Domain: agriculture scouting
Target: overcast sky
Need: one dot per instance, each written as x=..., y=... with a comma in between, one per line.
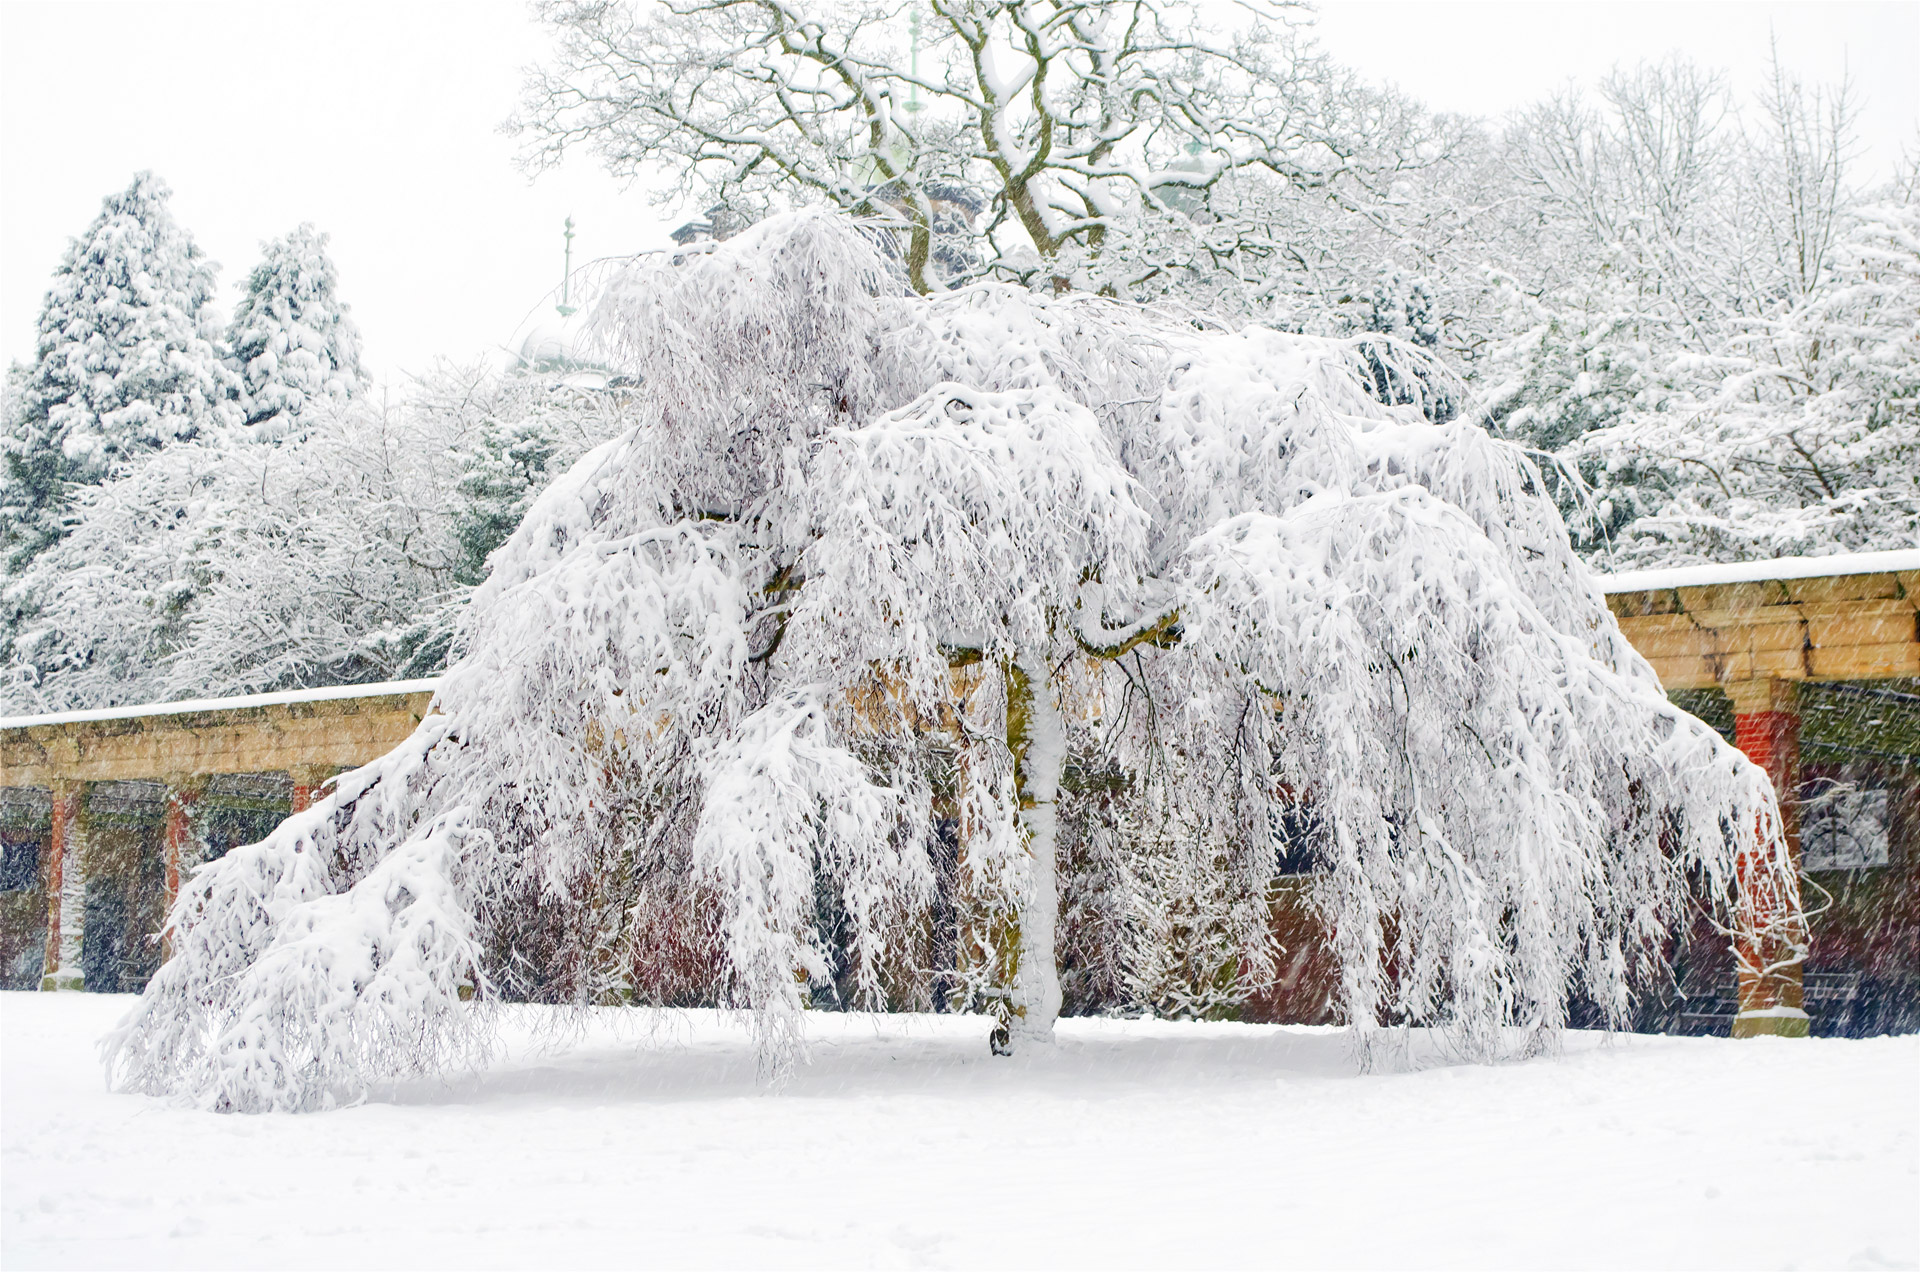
x=378, y=122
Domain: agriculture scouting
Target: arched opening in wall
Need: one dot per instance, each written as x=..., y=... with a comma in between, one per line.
x=1859, y=831
x=125, y=891
x=26, y=816
x=241, y=808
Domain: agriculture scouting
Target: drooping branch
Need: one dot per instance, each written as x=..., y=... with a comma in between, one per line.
x=1161, y=631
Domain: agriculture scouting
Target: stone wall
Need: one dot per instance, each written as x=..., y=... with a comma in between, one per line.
x=116, y=805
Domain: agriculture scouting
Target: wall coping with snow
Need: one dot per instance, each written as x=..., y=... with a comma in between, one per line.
x=309, y=732
x=1833, y=618
x=1780, y=568
x=289, y=697
x=1761, y=571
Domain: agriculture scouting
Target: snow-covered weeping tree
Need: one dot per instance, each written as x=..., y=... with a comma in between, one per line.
x=870, y=561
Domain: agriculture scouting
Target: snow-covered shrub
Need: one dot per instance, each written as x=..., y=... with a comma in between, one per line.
x=1715, y=323
x=866, y=559
x=1806, y=440
x=342, y=553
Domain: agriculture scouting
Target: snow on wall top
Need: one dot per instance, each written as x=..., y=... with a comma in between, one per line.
x=425, y=685
x=1761, y=571
x=1612, y=584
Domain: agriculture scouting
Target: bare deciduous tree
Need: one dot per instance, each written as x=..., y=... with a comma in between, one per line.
x=1043, y=130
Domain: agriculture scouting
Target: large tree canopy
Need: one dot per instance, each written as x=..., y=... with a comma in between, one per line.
x=1052, y=570
x=1031, y=135
x=1695, y=306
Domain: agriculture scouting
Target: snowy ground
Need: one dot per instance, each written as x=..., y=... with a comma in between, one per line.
x=904, y=1145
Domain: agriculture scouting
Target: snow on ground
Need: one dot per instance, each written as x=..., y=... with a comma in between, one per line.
x=645, y=1143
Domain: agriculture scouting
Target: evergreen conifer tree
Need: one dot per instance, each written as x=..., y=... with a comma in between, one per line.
x=292, y=340
x=127, y=359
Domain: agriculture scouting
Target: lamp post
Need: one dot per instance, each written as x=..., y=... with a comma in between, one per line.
x=566, y=276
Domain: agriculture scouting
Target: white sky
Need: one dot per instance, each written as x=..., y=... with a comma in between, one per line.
x=378, y=123
x=1485, y=57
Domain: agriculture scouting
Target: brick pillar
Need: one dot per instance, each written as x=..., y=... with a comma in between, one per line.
x=1770, y=948
x=66, y=888
x=180, y=843
x=307, y=781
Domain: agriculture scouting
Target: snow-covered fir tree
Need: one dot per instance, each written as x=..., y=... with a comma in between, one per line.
x=867, y=564
x=127, y=359
x=291, y=341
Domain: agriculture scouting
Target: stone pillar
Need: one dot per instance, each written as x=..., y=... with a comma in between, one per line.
x=307, y=781
x=180, y=843
x=1766, y=725
x=66, y=888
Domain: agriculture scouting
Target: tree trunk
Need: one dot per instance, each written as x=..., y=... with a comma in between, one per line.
x=1037, y=737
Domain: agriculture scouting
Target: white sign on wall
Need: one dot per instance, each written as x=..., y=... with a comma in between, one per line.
x=1845, y=830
